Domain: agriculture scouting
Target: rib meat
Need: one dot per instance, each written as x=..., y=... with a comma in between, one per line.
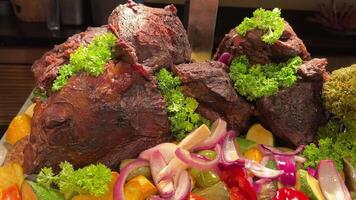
x=209, y=83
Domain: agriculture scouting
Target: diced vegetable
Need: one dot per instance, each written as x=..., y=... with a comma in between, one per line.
x=11, y=193
x=27, y=192
x=216, y=192
x=11, y=174
x=244, y=144
x=254, y=154
x=271, y=164
x=350, y=174
x=44, y=193
x=144, y=171
x=139, y=188
x=19, y=127
x=29, y=110
x=260, y=135
x=290, y=193
x=267, y=189
x=309, y=185
x=205, y=178
x=192, y=196
x=331, y=184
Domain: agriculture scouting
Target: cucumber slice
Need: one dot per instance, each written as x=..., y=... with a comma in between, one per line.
x=309, y=185
x=260, y=135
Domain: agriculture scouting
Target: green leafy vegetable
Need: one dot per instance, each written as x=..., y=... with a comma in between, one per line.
x=181, y=109
x=258, y=80
x=332, y=145
x=92, y=179
x=90, y=59
x=330, y=130
x=269, y=21
x=44, y=193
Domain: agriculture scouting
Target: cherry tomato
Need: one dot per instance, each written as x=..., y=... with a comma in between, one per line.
x=290, y=194
x=11, y=193
x=192, y=196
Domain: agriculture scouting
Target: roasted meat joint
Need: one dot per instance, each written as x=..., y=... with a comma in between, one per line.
x=127, y=97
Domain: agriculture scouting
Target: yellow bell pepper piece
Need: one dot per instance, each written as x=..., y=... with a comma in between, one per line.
x=19, y=127
x=254, y=154
x=139, y=188
x=11, y=174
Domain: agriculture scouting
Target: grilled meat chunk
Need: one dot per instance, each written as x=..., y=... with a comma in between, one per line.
x=209, y=83
x=157, y=34
x=251, y=45
x=97, y=119
x=294, y=114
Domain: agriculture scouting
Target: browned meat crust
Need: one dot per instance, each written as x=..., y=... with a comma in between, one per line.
x=288, y=46
x=157, y=34
x=210, y=85
x=294, y=114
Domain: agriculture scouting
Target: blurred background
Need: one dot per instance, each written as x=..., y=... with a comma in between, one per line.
x=28, y=28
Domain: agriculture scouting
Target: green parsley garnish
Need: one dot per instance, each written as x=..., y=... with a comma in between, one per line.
x=269, y=21
x=334, y=144
x=181, y=109
x=92, y=179
x=258, y=80
x=90, y=59
x=40, y=94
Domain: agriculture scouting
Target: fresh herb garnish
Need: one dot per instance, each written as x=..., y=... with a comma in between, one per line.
x=258, y=80
x=181, y=109
x=90, y=59
x=334, y=144
x=269, y=21
x=92, y=179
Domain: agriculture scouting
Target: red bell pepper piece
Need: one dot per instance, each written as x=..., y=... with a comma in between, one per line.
x=11, y=193
x=290, y=194
x=239, y=187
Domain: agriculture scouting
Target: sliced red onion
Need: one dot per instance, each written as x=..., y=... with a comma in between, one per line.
x=261, y=171
x=272, y=150
x=166, y=149
x=331, y=184
x=312, y=172
x=229, y=150
x=157, y=163
x=225, y=58
x=265, y=160
x=257, y=186
x=196, y=162
x=218, y=129
x=120, y=182
x=287, y=165
x=195, y=138
x=299, y=159
x=182, y=186
x=174, y=167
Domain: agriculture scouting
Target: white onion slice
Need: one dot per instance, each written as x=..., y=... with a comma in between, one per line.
x=218, y=129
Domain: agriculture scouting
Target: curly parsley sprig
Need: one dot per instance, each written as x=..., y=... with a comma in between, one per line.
x=269, y=21
x=92, y=179
x=181, y=109
x=257, y=81
x=90, y=59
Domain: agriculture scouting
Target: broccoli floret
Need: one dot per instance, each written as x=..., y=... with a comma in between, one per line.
x=339, y=95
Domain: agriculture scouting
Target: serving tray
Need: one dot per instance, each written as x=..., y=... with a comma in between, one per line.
x=4, y=147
